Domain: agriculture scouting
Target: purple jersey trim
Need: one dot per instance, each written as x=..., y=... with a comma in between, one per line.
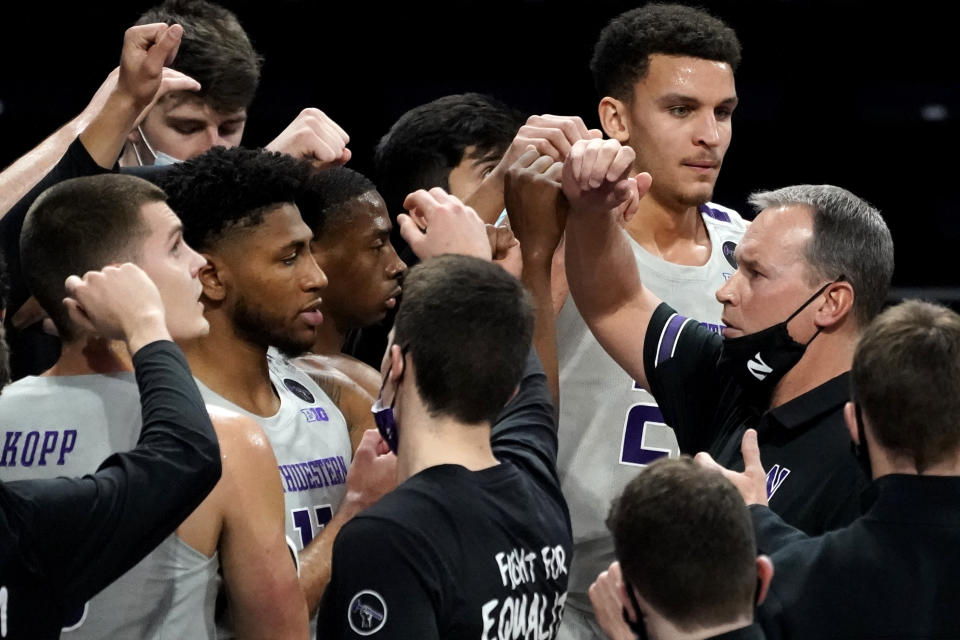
x=668, y=338
x=716, y=214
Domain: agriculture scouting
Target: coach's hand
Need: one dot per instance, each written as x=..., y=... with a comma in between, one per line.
x=752, y=482
x=314, y=136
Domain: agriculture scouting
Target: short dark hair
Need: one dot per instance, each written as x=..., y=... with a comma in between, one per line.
x=685, y=541
x=467, y=325
x=228, y=190
x=906, y=379
x=80, y=225
x=324, y=197
x=621, y=56
x=428, y=141
x=215, y=51
x=850, y=239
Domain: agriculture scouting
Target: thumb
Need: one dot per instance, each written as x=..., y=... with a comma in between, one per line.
x=78, y=315
x=750, y=449
x=644, y=180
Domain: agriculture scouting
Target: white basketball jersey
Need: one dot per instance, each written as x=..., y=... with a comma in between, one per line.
x=67, y=426
x=609, y=427
x=310, y=440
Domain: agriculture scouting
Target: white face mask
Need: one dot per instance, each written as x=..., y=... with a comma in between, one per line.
x=160, y=159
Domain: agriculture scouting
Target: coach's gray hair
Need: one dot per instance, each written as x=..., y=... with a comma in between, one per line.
x=850, y=238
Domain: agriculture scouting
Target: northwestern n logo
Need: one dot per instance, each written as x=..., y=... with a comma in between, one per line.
x=758, y=368
x=775, y=478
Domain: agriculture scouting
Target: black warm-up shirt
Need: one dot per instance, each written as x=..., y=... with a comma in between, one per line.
x=813, y=480
x=65, y=539
x=453, y=553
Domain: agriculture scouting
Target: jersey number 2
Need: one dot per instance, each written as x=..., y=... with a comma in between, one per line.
x=633, y=450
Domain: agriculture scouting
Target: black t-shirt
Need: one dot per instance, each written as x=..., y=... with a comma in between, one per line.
x=453, y=553
x=62, y=540
x=813, y=480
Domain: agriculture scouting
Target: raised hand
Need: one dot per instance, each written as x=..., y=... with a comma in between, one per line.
x=373, y=472
x=147, y=49
x=535, y=204
x=606, y=597
x=118, y=302
x=314, y=136
x=439, y=223
x=596, y=177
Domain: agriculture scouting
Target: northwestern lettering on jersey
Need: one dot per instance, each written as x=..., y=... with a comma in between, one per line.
x=313, y=474
x=32, y=448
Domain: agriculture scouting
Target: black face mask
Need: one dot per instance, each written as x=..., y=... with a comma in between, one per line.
x=639, y=628
x=860, y=451
x=759, y=360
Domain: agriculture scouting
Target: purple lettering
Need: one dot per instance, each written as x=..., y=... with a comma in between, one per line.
x=49, y=445
x=30, y=446
x=10, y=448
x=69, y=440
x=288, y=478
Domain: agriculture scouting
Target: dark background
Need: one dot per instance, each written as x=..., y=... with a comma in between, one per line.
x=859, y=94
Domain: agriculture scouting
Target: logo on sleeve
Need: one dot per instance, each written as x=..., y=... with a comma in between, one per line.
x=298, y=390
x=367, y=613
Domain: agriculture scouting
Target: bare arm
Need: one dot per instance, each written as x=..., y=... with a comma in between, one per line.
x=537, y=211
x=601, y=270
x=372, y=474
x=125, y=96
x=265, y=600
x=353, y=400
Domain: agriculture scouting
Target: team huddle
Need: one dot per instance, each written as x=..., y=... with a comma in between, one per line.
x=526, y=381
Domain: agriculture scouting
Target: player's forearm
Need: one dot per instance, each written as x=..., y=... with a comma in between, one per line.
x=106, y=134
x=601, y=270
x=316, y=557
x=24, y=174
x=536, y=278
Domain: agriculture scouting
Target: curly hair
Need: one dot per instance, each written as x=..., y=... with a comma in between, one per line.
x=227, y=190
x=621, y=56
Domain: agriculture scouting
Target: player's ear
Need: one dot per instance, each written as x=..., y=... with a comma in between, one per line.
x=213, y=277
x=614, y=118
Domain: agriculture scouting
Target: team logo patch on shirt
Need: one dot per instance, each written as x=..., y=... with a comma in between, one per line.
x=298, y=390
x=367, y=613
x=728, y=248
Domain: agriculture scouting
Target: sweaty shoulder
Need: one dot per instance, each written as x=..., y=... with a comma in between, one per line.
x=239, y=436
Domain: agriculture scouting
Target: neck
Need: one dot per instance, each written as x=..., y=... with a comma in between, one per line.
x=435, y=441
x=671, y=231
x=91, y=355
x=329, y=338
x=882, y=463
x=662, y=628
x=233, y=367
x=826, y=357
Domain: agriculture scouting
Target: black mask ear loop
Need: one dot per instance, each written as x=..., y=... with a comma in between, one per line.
x=840, y=278
x=637, y=626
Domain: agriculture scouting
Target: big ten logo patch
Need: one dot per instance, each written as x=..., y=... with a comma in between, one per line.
x=315, y=414
x=367, y=613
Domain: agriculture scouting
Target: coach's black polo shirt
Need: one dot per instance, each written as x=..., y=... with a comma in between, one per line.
x=813, y=480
